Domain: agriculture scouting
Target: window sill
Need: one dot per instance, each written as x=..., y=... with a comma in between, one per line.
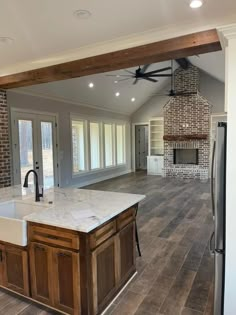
x=97, y=171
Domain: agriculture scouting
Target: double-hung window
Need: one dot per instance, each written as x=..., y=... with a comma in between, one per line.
x=120, y=144
x=78, y=145
x=95, y=145
x=109, y=145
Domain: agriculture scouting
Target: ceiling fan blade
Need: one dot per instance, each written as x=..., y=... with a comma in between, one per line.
x=144, y=68
x=149, y=79
x=135, y=81
x=156, y=75
x=158, y=70
x=119, y=75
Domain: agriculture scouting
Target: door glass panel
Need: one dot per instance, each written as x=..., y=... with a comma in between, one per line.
x=26, y=148
x=47, y=154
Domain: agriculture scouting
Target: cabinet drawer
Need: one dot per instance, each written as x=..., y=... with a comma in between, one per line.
x=53, y=236
x=102, y=234
x=126, y=217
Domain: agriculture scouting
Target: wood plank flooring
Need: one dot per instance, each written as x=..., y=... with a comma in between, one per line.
x=175, y=272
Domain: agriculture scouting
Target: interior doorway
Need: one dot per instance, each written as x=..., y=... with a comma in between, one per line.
x=141, y=147
x=34, y=146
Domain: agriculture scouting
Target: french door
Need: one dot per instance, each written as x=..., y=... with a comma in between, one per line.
x=34, y=140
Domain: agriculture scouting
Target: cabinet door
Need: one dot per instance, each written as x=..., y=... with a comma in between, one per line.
x=127, y=251
x=1, y=264
x=16, y=269
x=105, y=275
x=41, y=273
x=66, y=281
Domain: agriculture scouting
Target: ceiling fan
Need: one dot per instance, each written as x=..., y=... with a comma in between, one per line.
x=172, y=91
x=142, y=74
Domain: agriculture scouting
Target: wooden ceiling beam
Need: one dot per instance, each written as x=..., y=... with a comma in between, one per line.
x=175, y=48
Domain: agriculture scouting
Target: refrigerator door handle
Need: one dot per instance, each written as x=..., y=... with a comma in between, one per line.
x=212, y=179
x=211, y=244
x=220, y=177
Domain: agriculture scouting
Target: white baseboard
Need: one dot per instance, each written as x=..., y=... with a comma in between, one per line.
x=102, y=178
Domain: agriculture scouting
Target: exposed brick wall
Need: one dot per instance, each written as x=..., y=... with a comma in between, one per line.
x=186, y=115
x=5, y=156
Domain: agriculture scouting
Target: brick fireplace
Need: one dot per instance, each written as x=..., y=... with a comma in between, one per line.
x=187, y=129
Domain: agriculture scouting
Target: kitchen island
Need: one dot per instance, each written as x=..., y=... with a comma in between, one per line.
x=80, y=249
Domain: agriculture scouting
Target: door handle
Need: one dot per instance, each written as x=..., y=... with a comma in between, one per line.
x=212, y=178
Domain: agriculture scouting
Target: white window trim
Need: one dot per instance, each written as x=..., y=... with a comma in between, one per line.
x=87, y=119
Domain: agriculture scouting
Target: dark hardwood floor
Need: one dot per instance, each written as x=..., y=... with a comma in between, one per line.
x=175, y=272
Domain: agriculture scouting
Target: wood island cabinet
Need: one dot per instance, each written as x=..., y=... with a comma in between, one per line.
x=40, y=272
x=14, y=268
x=105, y=272
x=66, y=280
x=55, y=277
x=127, y=251
x=1, y=264
x=74, y=272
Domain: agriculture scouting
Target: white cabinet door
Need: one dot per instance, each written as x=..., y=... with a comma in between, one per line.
x=155, y=165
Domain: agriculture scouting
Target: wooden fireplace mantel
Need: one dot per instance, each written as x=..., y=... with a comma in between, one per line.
x=185, y=137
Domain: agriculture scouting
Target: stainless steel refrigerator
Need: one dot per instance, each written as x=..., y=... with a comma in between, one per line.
x=218, y=191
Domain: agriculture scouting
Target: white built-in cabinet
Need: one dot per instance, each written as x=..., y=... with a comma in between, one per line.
x=155, y=158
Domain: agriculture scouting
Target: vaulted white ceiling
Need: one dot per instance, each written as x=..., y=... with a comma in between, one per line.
x=46, y=32
x=102, y=95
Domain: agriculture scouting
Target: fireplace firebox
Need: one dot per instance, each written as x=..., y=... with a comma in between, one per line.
x=186, y=156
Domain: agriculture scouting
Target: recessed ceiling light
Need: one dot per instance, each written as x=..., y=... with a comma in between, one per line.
x=116, y=81
x=82, y=14
x=117, y=94
x=6, y=40
x=117, y=76
x=91, y=85
x=133, y=99
x=195, y=4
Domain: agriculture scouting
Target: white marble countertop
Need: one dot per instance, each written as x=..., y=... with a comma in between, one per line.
x=71, y=208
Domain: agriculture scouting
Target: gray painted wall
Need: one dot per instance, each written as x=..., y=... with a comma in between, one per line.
x=212, y=89
x=29, y=102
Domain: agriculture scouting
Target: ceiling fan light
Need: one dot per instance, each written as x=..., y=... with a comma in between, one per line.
x=195, y=4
